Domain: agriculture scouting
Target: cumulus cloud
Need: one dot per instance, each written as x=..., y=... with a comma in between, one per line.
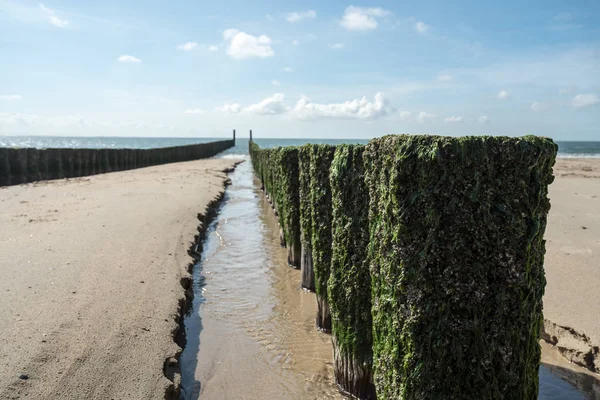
x=299, y=16
x=424, y=117
x=194, y=111
x=503, y=95
x=213, y=48
x=187, y=46
x=288, y=69
x=444, y=78
x=126, y=58
x=336, y=46
x=233, y=108
x=421, y=27
x=243, y=45
x=275, y=82
x=362, y=19
x=585, y=100
x=52, y=18
x=484, y=119
x=11, y=97
x=357, y=109
x=454, y=119
x=405, y=115
x=535, y=106
x=273, y=105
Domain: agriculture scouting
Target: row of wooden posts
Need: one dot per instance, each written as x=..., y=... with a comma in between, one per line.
x=23, y=165
x=426, y=254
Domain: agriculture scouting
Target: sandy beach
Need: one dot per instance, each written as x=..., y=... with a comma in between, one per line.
x=91, y=279
x=572, y=301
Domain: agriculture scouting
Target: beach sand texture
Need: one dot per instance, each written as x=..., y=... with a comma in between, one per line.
x=90, y=275
x=572, y=263
x=90, y=279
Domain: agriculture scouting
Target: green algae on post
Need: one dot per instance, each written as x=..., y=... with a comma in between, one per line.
x=456, y=256
x=306, y=263
x=320, y=162
x=350, y=281
x=277, y=168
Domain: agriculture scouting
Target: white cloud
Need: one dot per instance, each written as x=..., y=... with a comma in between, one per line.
x=355, y=109
x=336, y=46
x=421, y=27
x=444, y=78
x=404, y=115
x=52, y=18
x=187, y=46
x=585, y=100
x=233, y=108
x=299, y=16
x=275, y=82
x=424, y=117
x=454, y=119
x=269, y=17
x=288, y=69
x=125, y=58
x=243, y=45
x=194, y=111
x=362, y=19
x=270, y=106
x=503, y=95
x=484, y=119
x=295, y=42
x=535, y=106
x=11, y=97
x=213, y=48
x=61, y=23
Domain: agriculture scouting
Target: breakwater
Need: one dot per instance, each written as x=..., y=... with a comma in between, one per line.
x=427, y=254
x=24, y=165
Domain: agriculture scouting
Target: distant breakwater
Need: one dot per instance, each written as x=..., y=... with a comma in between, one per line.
x=426, y=254
x=24, y=165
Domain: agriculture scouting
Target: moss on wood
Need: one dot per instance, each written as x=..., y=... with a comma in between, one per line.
x=306, y=264
x=456, y=256
x=320, y=188
x=350, y=281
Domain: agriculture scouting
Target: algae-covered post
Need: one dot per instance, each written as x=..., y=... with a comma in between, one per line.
x=288, y=201
x=306, y=264
x=320, y=162
x=350, y=281
x=456, y=256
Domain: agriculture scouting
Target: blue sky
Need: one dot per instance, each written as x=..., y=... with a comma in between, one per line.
x=300, y=69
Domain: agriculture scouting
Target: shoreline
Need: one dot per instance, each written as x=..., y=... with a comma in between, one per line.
x=96, y=271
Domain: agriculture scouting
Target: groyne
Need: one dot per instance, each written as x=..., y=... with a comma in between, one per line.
x=25, y=165
x=429, y=253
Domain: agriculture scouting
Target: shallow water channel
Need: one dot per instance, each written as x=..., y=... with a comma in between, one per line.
x=251, y=332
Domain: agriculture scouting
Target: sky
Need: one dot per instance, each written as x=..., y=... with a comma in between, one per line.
x=300, y=69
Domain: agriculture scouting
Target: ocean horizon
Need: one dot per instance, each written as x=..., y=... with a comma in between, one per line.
x=566, y=149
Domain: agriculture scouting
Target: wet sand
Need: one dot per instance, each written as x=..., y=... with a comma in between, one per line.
x=90, y=279
x=256, y=326
x=572, y=264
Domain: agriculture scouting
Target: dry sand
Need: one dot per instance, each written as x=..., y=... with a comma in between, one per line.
x=90, y=272
x=572, y=299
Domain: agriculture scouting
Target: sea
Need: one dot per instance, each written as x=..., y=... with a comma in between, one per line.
x=565, y=149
